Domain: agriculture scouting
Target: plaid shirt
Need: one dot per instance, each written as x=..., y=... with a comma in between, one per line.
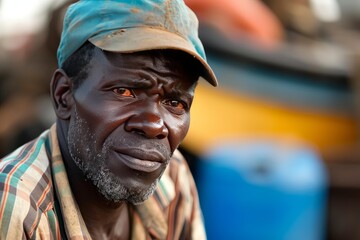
x=33, y=180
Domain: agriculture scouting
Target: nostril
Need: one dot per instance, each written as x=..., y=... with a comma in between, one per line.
x=138, y=131
x=163, y=134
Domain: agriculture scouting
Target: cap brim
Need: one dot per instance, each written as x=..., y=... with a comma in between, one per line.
x=129, y=40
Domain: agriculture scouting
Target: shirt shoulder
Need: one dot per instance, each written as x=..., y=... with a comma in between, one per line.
x=25, y=188
x=178, y=194
x=177, y=172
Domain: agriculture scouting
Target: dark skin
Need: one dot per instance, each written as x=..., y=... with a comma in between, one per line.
x=140, y=97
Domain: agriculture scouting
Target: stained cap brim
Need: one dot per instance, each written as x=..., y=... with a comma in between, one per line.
x=128, y=40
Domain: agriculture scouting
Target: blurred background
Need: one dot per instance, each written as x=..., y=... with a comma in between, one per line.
x=274, y=149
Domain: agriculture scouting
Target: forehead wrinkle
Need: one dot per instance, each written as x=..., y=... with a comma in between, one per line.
x=156, y=71
x=120, y=60
x=122, y=72
x=180, y=93
x=158, y=78
x=167, y=80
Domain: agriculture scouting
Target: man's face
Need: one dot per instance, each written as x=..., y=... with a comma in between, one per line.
x=130, y=114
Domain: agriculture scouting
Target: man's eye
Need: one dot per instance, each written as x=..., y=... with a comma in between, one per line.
x=176, y=104
x=125, y=92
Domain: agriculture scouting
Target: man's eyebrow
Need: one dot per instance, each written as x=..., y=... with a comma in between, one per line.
x=132, y=81
x=140, y=82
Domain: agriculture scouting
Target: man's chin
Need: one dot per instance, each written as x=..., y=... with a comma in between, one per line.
x=117, y=193
x=134, y=199
x=139, y=197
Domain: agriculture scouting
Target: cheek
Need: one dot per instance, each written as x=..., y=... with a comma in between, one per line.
x=102, y=119
x=177, y=131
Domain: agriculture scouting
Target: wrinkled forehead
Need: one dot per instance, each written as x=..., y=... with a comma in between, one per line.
x=161, y=61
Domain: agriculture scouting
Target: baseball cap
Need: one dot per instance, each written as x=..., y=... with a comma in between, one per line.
x=127, y=26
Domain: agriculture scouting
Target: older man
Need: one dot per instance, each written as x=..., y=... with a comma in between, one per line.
x=109, y=168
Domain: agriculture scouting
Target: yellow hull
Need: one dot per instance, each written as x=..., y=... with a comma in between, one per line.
x=220, y=114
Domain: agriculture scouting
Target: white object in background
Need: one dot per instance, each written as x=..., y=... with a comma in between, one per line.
x=24, y=16
x=326, y=10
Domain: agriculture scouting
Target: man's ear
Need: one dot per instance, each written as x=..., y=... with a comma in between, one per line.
x=61, y=94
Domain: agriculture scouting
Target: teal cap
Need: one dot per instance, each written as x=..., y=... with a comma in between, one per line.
x=127, y=26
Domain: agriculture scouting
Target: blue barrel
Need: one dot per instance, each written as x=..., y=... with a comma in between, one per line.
x=263, y=190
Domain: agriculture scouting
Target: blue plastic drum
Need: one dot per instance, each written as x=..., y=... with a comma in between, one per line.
x=263, y=190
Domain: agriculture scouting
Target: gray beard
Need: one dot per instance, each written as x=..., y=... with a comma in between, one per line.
x=81, y=142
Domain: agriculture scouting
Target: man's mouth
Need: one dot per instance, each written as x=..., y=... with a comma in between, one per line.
x=152, y=163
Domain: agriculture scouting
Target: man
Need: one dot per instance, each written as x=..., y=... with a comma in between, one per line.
x=109, y=168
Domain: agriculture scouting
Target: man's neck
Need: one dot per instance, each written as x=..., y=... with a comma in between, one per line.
x=103, y=219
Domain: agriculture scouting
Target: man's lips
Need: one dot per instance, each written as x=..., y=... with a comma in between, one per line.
x=148, y=161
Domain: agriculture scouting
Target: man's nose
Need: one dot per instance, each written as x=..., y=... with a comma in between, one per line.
x=148, y=124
